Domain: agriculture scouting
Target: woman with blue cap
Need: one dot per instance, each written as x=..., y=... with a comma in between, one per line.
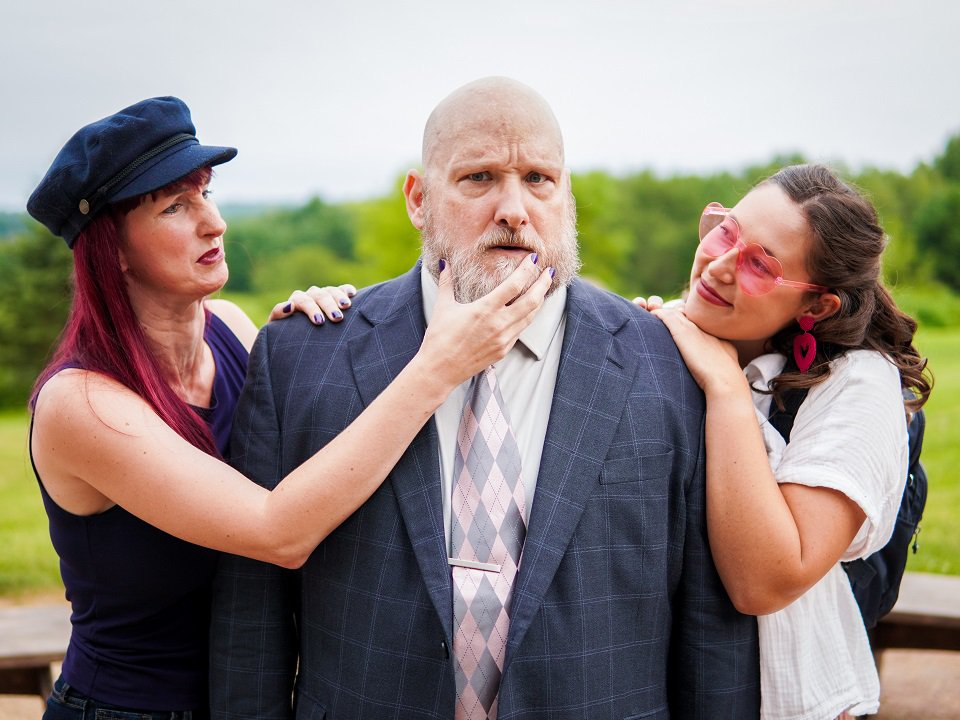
x=132, y=416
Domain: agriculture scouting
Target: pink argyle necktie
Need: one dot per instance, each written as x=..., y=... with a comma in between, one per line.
x=487, y=532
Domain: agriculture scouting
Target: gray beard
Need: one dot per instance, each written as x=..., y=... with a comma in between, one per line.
x=472, y=280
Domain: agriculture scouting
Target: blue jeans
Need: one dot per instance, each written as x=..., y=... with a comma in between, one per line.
x=65, y=703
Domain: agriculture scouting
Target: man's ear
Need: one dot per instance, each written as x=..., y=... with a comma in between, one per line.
x=413, y=192
x=825, y=305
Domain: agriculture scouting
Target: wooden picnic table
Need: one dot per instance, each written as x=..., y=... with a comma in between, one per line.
x=926, y=616
x=34, y=637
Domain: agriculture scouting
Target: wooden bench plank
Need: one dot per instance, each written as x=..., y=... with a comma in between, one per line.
x=32, y=638
x=928, y=594
x=926, y=616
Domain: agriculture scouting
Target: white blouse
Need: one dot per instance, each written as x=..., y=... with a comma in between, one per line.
x=850, y=434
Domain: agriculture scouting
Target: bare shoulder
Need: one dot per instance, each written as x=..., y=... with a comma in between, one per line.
x=235, y=319
x=74, y=387
x=75, y=402
x=77, y=412
x=97, y=443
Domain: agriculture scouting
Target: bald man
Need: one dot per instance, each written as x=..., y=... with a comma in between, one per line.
x=603, y=601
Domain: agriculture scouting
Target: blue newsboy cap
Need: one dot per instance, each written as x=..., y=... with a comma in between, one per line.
x=135, y=151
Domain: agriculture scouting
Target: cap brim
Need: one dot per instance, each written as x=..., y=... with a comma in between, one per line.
x=167, y=167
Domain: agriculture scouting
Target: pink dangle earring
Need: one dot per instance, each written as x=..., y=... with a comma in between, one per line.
x=805, y=345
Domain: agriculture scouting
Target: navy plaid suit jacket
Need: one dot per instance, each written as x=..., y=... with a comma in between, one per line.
x=618, y=611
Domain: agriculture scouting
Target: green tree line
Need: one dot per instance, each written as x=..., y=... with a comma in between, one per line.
x=637, y=236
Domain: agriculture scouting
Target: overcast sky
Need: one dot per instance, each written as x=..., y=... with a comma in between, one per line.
x=329, y=97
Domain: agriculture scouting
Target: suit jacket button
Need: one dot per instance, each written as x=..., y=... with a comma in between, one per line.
x=443, y=646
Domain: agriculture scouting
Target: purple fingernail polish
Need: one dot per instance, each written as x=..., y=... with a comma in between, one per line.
x=288, y=307
x=337, y=314
x=534, y=257
x=443, y=264
x=553, y=272
x=318, y=318
x=344, y=302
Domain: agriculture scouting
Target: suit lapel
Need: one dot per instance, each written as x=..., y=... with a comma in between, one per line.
x=587, y=405
x=377, y=357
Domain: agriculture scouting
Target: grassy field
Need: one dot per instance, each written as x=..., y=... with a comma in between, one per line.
x=939, y=539
x=28, y=564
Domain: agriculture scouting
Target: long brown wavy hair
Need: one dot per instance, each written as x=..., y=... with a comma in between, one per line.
x=845, y=255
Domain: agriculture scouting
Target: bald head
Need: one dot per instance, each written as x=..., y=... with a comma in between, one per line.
x=494, y=188
x=495, y=106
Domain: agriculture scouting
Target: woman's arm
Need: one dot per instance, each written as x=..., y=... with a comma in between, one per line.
x=770, y=542
x=92, y=431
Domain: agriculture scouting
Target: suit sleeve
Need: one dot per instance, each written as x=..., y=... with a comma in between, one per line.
x=253, y=643
x=714, y=654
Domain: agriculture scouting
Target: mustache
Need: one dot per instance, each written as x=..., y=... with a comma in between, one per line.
x=501, y=236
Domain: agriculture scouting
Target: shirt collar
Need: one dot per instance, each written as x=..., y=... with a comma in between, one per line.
x=761, y=370
x=536, y=338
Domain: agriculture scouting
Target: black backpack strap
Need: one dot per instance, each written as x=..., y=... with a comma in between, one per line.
x=915, y=493
x=793, y=398
x=918, y=423
x=783, y=420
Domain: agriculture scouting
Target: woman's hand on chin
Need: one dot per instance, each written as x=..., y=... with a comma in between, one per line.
x=464, y=338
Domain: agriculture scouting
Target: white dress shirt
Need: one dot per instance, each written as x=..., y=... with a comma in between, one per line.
x=850, y=434
x=527, y=378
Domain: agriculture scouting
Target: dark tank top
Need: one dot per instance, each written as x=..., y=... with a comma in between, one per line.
x=141, y=597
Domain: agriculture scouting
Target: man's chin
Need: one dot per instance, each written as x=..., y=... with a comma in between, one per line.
x=501, y=267
x=473, y=282
x=497, y=256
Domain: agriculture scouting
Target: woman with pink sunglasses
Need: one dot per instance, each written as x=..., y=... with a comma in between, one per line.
x=786, y=292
